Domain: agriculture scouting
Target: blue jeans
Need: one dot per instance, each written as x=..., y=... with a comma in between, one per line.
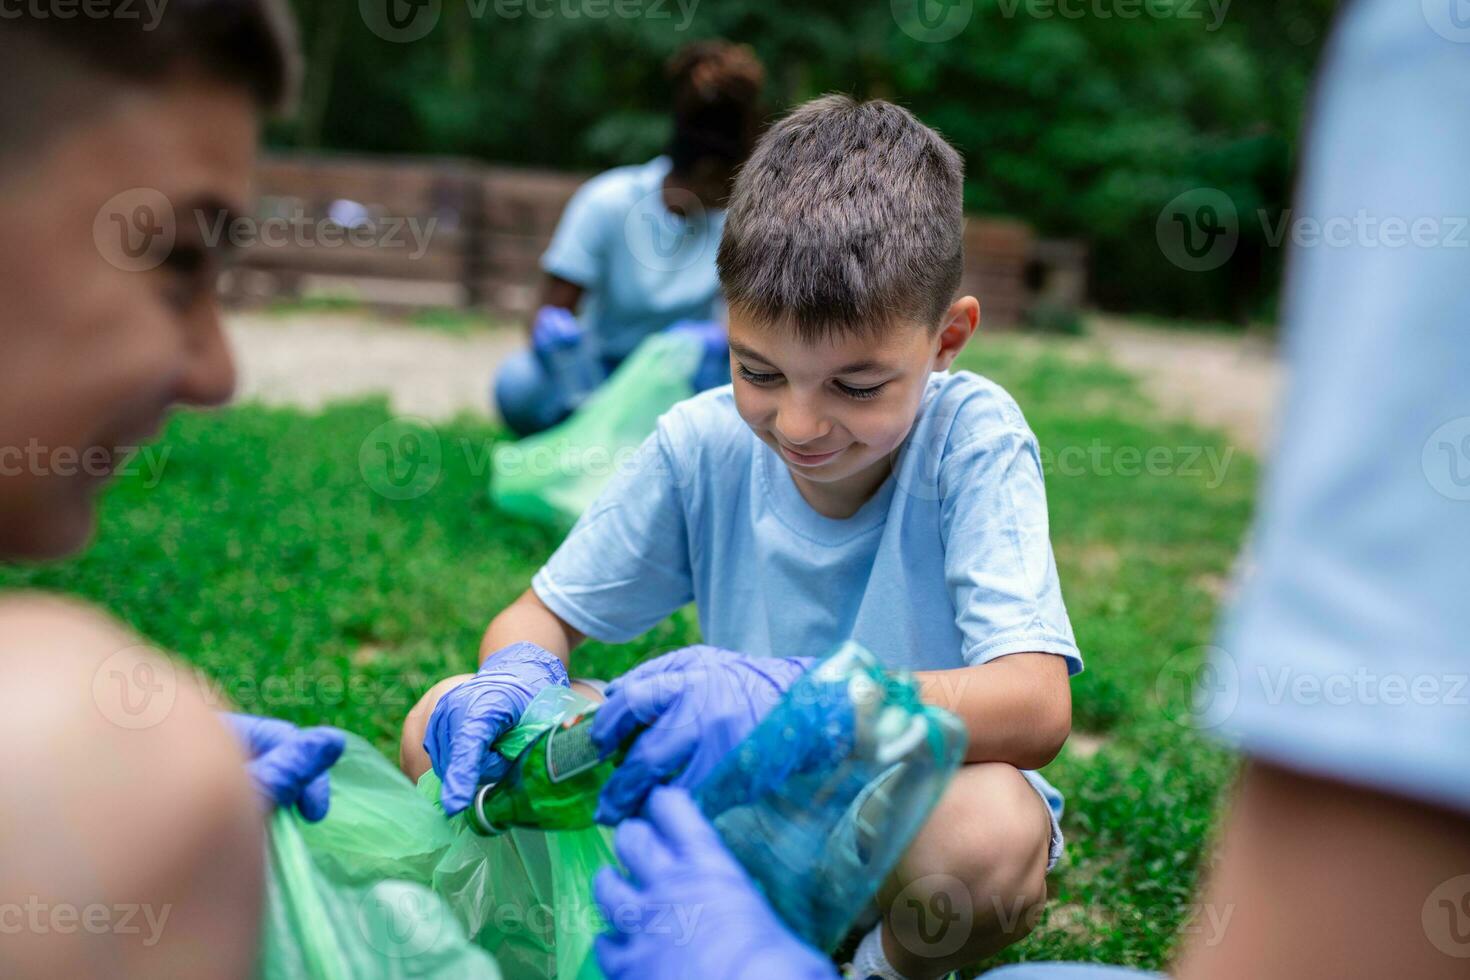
x=1068, y=971
x=528, y=398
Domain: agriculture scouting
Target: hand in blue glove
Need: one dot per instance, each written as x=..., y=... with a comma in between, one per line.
x=473, y=715
x=714, y=365
x=289, y=764
x=721, y=926
x=697, y=704
x=554, y=326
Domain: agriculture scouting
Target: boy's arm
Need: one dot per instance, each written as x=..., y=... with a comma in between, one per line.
x=1017, y=708
x=529, y=619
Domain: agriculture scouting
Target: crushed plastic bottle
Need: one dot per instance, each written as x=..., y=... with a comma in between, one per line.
x=820, y=801
x=553, y=784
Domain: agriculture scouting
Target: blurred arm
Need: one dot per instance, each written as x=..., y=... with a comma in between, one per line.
x=1322, y=879
x=556, y=291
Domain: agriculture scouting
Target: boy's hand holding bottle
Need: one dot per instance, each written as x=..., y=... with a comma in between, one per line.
x=468, y=719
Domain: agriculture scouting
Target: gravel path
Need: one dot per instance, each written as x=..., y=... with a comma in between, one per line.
x=1221, y=380
x=309, y=359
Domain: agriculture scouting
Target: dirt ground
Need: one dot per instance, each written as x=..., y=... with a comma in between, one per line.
x=309, y=359
x=1225, y=381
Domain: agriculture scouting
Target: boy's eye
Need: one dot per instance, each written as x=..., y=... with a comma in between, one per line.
x=860, y=393
x=189, y=275
x=757, y=379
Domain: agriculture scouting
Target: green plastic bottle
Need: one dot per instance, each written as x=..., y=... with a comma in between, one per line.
x=552, y=785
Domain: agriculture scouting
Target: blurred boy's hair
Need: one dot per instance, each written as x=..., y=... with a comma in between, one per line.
x=847, y=218
x=57, y=70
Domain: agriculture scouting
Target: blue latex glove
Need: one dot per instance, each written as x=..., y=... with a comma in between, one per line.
x=554, y=326
x=696, y=703
x=687, y=909
x=472, y=716
x=714, y=365
x=289, y=764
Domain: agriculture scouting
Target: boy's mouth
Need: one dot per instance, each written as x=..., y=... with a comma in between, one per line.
x=806, y=459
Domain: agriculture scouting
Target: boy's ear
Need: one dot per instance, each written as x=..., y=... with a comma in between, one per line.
x=959, y=325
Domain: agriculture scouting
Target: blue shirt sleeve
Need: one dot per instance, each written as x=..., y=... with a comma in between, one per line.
x=624, y=566
x=1346, y=655
x=998, y=560
x=579, y=245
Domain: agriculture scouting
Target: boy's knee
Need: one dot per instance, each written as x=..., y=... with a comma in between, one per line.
x=974, y=880
x=1004, y=850
x=126, y=796
x=412, y=758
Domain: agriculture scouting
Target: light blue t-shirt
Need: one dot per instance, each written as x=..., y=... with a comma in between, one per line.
x=948, y=564
x=1348, y=654
x=642, y=266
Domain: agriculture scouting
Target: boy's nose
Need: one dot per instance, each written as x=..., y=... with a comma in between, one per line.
x=209, y=378
x=797, y=425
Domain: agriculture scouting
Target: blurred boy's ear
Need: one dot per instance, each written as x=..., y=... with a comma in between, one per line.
x=960, y=322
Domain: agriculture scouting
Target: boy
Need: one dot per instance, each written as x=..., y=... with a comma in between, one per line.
x=839, y=488
x=131, y=835
x=1346, y=849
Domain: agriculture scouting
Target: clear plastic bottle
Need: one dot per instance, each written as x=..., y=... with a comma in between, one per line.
x=820, y=801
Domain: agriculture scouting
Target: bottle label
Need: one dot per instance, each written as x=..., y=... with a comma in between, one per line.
x=569, y=749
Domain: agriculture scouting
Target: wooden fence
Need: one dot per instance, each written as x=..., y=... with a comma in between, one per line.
x=448, y=232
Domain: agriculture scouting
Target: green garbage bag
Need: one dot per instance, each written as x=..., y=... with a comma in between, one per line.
x=553, y=476
x=387, y=887
x=526, y=895
x=350, y=897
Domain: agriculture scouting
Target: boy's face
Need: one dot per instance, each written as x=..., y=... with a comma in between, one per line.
x=103, y=324
x=836, y=411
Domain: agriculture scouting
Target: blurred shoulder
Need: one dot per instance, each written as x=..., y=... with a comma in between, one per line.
x=621, y=187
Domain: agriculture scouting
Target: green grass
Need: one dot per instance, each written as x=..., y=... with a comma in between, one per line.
x=265, y=557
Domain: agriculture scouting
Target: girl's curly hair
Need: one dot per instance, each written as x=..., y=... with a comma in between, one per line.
x=717, y=96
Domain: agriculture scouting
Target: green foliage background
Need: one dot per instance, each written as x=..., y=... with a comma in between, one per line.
x=1083, y=117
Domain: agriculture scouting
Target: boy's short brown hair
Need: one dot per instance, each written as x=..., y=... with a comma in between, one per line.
x=849, y=216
